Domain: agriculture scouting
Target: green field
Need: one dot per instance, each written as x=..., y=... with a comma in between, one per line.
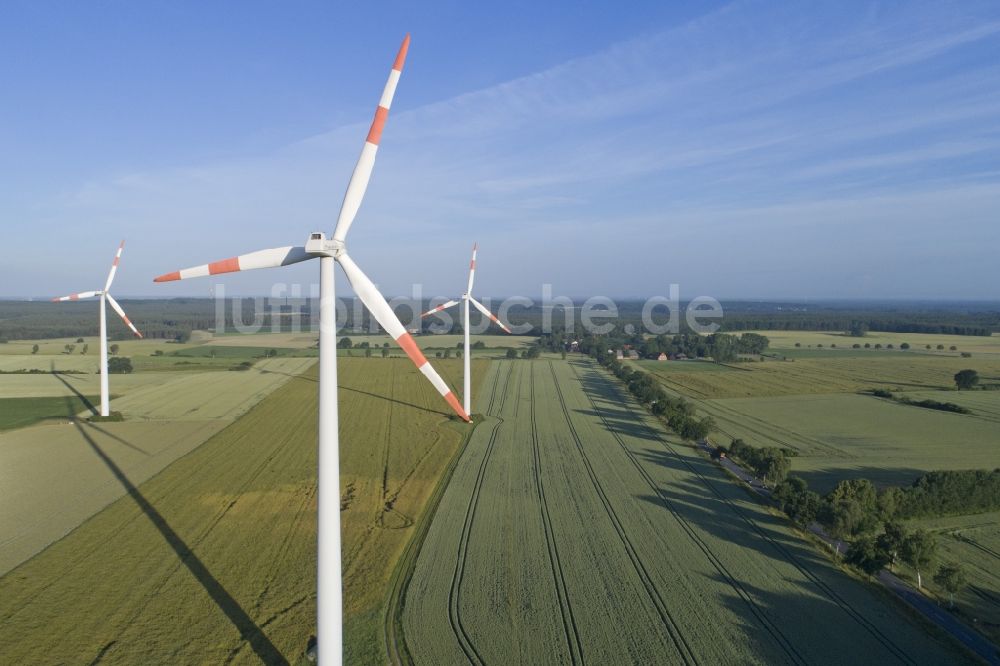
x=850, y=436
x=20, y=412
x=917, y=341
x=575, y=529
x=974, y=541
x=212, y=560
x=812, y=405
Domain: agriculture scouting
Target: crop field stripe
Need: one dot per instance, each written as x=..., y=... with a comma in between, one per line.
x=770, y=627
x=194, y=543
x=786, y=554
x=750, y=423
x=975, y=544
x=454, y=614
x=573, y=642
x=673, y=630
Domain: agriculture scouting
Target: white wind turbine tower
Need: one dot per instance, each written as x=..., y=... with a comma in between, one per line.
x=105, y=296
x=465, y=300
x=329, y=605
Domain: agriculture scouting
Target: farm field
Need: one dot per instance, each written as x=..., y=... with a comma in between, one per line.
x=570, y=506
x=974, y=541
x=167, y=416
x=20, y=412
x=221, y=544
x=834, y=372
x=849, y=436
x=811, y=404
x=969, y=343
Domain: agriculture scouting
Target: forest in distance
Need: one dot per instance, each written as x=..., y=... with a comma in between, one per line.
x=176, y=317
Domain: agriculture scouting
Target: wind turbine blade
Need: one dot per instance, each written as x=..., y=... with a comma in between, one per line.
x=121, y=313
x=384, y=315
x=444, y=306
x=279, y=256
x=76, y=297
x=114, y=266
x=486, y=312
x=472, y=268
x=363, y=170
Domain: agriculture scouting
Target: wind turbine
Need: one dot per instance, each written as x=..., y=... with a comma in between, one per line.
x=105, y=296
x=329, y=593
x=465, y=300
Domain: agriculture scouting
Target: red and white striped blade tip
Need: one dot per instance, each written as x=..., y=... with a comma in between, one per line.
x=401, y=54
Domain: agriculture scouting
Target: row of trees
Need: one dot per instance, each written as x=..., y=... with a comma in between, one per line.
x=675, y=411
x=530, y=352
x=769, y=464
x=854, y=511
x=855, y=507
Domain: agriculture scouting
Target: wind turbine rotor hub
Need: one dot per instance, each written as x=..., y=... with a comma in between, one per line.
x=319, y=245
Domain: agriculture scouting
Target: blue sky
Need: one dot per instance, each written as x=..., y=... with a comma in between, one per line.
x=745, y=149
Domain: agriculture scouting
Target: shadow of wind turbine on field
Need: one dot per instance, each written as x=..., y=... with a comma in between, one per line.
x=249, y=631
x=76, y=392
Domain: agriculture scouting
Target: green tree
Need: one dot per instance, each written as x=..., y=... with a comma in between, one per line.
x=966, y=379
x=511, y=353
x=79, y=339
x=85, y=348
x=478, y=344
x=368, y=352
x=905, y=345
x=890, y=542
x=70, y=348
x=385, y=352
x=889, y=501
x=447, y=353
x=120, y=365
x=858, y=329
x=951, y=577
x=918, y=551
x=113, y=349
x=344, y=343
x=563, y=354
x=786, y=491
x=34, y=349
x=865, y=554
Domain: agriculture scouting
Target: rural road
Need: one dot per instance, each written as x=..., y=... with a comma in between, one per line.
x=967, y=636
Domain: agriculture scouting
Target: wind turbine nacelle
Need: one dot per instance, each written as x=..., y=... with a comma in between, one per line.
x=318, y=244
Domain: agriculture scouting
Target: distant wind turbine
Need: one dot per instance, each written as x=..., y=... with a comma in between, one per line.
x=329, y=604
x=465, y=300
x=105, y=296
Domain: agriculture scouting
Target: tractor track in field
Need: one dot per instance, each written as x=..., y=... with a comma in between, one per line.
x=770, y=627
x=975, y=544
x=752, y=424
x=573, y=643
x=673, y=629
x=790, y=557
x=454, y=615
